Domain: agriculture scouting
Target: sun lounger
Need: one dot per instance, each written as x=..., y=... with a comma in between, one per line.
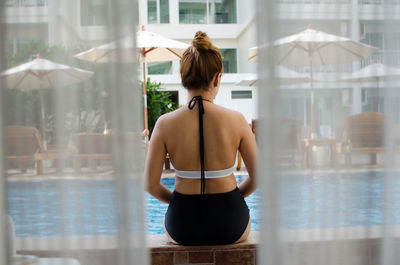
x=89, y=149
x=23, y=146
x=364, y=133
x=289, y=138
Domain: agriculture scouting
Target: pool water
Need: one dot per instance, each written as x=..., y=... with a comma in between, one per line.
x=87, y=207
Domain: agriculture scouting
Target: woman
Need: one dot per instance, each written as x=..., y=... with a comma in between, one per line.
x=202, y=139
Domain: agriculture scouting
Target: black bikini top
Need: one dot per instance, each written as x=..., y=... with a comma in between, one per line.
x=192, y=103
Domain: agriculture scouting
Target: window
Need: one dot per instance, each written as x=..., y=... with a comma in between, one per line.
x=229, y=59
x=157, y=11
x=25, y=3
x=207, y=11
x=22, y=44
x=392, y=41
x=371, y=102
x=241, y=94
x=374, y=39
x=223, y=11
x=193, y=12
x=93, y=12
x=161, y=68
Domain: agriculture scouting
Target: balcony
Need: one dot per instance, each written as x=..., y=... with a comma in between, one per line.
x=316, y=2
x=25, y=11
x=391, y=58
x=25, y=3
x=378, y=2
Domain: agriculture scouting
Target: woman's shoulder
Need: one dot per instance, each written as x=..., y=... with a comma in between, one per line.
x=236, y=115
x=169, y=117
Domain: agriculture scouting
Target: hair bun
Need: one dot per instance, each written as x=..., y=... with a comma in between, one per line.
x=201, y=41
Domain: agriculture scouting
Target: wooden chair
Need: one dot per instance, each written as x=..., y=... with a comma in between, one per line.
x=364, y=133
x=290, y=142
x=89, y=148
x=23, y=146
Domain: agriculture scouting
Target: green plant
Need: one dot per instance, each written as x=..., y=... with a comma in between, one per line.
x=158, y=103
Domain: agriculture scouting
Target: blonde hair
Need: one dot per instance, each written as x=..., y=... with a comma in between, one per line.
x=200, y=63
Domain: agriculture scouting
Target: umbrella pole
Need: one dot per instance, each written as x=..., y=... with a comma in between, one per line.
x=313, y=134
x=44, y=140
x=146, y=124
x=379, y=99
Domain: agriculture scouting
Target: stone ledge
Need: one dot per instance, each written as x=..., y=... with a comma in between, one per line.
x=160, y=243
x=165, y=253
x=362, y=245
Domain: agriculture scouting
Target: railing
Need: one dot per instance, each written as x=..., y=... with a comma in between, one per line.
x=392, y=59
x=361, y=2
x=192, y=19
x=378, y=2
x=311, y=2
x=218, y=18
x=347, y=67
x=25, y=3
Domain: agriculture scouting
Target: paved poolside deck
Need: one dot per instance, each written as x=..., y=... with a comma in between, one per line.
x=349, y=245
x=107, y=173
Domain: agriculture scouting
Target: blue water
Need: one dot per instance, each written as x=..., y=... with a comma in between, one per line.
x=87, y=207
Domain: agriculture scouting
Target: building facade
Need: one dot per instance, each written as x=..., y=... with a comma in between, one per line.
x=231, y=24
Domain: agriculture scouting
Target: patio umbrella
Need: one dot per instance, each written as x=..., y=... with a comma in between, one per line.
x=150, y=47
x=285, y=76
x=374, y=73
x=311, y=47
x=39, y=74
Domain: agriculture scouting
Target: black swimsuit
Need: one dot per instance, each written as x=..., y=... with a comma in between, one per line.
x=206, y=219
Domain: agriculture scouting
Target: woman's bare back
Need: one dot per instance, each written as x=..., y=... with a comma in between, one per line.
x=223, y=131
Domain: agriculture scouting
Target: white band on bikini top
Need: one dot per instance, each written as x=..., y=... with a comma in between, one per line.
x=208, y=174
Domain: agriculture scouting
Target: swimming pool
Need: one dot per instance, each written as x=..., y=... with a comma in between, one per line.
x=87, y=207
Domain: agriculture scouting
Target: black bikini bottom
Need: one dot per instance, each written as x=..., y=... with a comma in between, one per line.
x=214, y=219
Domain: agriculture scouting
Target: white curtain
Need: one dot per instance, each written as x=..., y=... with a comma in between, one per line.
x=324, y=197
x=91, y=210
x=333, y=212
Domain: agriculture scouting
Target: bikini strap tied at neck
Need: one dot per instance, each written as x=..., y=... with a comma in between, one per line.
x=192, y=103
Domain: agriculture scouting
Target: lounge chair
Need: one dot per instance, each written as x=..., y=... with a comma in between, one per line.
x=364, y=133
x=89, y=148
x=289, y=140
x=23, y=146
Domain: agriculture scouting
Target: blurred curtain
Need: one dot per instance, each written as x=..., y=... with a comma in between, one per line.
x=89, y=202
x=341, y=211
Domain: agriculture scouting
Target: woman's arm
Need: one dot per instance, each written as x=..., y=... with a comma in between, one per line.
x=154, y=164
x=248, y=149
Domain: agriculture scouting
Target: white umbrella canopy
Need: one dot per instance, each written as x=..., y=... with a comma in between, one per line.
x=253, y=52
x=39, y=74
x=156, y=49
x=150, y=47
x=284, y=75
x=319, y=47
x=311, y=47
